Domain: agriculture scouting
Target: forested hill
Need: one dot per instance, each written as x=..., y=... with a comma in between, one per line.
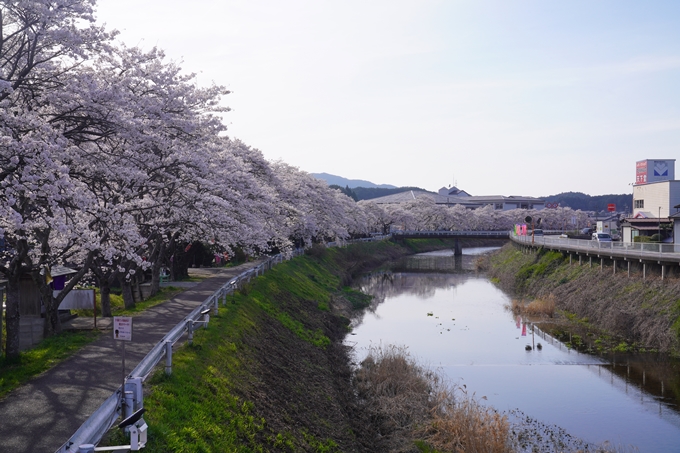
x=578, y=200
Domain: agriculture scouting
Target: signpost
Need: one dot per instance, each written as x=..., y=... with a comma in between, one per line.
x=611, y=207
x=122, y=331
x=528, y=219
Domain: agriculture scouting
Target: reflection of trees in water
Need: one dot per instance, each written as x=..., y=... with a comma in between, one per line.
x=384, y=284
x=420, y=275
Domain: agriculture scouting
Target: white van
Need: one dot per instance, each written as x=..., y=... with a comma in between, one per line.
x=602, y=237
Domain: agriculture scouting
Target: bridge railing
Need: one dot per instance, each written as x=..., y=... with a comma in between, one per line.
x=462, y=233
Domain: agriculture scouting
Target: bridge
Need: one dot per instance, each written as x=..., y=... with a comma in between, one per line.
x=466, y=234
x=461, y=234
x=640, y=254
x=644, y=255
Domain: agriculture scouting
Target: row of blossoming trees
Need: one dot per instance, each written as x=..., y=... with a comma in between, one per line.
x=112, y=161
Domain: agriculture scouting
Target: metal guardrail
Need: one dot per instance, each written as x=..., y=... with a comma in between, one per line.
x=101, y=421
x=638, y=250
x=94, y=428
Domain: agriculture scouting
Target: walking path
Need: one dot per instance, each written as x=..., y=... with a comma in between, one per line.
x=43, y=414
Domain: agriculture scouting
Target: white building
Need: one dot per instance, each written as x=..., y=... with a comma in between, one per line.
x=655, y=195
x=656, y=191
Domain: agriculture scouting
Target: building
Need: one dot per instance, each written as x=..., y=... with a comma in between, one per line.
x=655, y=192
x=452, y=196
x=656, y=197
x=642, y=226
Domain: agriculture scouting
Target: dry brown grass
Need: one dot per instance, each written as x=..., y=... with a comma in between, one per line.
x=396, y=392
x=409, y=402
x=537, y=307
x=461, y=424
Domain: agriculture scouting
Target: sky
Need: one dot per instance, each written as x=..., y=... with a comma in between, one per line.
x=507, y=97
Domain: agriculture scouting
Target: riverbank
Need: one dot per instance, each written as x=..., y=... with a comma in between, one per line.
x=646, y=313
x=271, y=372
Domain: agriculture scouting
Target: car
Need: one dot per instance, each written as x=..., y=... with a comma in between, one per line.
x=563, y=236
x=602, y=237
x=538, y=232
x=587, y=231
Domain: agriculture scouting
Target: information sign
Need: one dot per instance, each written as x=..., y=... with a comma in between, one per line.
x=611, y=207
x=122, y=328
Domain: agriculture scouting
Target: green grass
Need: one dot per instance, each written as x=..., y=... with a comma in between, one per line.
x=211, y=417
x=51, y=351
x=44, y=356
x=299, y=278
x=358, y=299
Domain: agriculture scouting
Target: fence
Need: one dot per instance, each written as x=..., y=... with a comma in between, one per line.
x=637, y=250
x=127, y=400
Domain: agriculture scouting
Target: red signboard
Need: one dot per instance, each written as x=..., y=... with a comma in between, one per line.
x=611, y=207
x=641, y=172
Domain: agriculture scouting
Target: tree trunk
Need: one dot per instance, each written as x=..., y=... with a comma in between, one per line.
x=105, y=278
x=128, y=297
x=137, y=280
x=105, y=296
x=157, y=263
x=12, y=319
x=52, y=325
x=2, y=319
x=12, y=315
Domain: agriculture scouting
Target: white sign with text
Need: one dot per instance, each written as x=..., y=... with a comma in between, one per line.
x=122, y=328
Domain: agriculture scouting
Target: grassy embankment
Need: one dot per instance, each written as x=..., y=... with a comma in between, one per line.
x=633, y=314
x=271, y=373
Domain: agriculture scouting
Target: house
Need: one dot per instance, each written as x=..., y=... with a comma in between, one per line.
x=643, y=226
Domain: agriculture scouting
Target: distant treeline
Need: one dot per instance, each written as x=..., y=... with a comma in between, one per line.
x=598, y=203
x=368, y=193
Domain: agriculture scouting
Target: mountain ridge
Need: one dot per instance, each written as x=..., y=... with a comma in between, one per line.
x=334, y=180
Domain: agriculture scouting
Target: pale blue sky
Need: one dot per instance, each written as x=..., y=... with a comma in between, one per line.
x=509, y=97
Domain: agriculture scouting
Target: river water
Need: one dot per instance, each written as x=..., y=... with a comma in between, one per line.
x=456, y=320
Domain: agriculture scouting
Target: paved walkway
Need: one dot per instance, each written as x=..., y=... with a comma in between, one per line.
x=43, y=414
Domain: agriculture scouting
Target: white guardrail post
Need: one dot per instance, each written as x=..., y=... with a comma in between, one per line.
x=168, y=358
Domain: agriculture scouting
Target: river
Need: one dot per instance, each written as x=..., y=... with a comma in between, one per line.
x=456, y=320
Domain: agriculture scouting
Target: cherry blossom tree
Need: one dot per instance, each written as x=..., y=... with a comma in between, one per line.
x=41, y=44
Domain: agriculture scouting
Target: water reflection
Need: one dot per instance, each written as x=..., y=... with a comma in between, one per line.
x=397, y=277
x=388, y=284
x=457, y=321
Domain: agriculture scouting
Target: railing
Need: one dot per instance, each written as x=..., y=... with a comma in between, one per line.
x=93, y=429
x=354, y=241
x=104, y=417
x=461, y=233
x=641, y=250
